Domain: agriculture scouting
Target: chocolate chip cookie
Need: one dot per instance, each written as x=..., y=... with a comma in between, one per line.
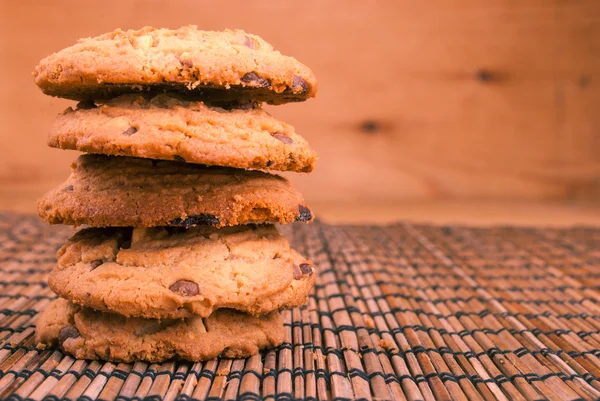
x=176, y=273
x=168, y=128
x=220, y=65
x=125, y=191
x=88, y=334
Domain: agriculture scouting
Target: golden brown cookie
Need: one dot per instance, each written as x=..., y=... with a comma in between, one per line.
x=168, y=128
x=88, y=334
x=120, y=191
x=227, y=64
x=177, y=273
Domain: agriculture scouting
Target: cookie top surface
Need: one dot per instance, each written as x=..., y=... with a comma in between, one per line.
x=177, y=273
x=228, y=65
x=168, y=128
x=105, y=191
x=88, y=334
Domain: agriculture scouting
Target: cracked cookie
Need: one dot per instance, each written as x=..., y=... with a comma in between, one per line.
x=170, y=128
x=229, y=65
x=88, y=334
x=125, y=191
x=176, y=273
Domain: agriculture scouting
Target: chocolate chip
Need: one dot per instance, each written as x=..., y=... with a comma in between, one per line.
x=178, y=158
x=306, y=269
x=185, y=288
x=96, y=263
x=301, y=83
x=68, y=188
x=301, y=270
x=187, y=63
x=66, y=333
x=283, y=138
x=130, y=131
x=305, y=214
x=270, y=163
x=197, y=220
x=252, y=78
x=86, y=105
x=126, y=244
x=249, y=42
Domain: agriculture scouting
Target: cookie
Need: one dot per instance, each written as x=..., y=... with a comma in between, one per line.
x=176, y=273
x=125, y=191
x=168, y=128
x=205, y=64
x=88, y=334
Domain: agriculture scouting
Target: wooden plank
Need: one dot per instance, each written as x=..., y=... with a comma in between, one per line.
x=444, y=100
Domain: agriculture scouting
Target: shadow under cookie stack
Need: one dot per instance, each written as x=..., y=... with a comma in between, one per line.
x=180, y=257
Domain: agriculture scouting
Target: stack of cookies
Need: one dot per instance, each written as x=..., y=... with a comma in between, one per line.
x=180, y=257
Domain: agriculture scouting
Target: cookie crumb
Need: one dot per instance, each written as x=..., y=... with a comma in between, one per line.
x=386, y=343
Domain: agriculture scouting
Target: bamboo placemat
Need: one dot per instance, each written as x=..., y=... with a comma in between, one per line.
x=403, y=311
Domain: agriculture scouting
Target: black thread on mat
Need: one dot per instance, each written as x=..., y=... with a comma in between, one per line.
x=31, y=270
x=528, y=316
x=460, y=299
x=101, y=373
x=394, y=270
x=119, y=374
x=284, y=396
x=76, y=374
x=179, y=376
x=252, y=372
x=136, y=373
x=286, y=345
x=234, y=375
x=164, y=373
x=150, y=373
x=208, y=374
x=37, y=297
x=435, y=287
x=89, y=373
x=27, y=312
x=248, y=396
x=322, y=373
x=462, y=333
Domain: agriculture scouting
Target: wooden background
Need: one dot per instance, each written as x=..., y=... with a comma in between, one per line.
x=418, y=101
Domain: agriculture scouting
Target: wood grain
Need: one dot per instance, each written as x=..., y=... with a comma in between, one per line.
x=469, y=212
x=457, y=99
